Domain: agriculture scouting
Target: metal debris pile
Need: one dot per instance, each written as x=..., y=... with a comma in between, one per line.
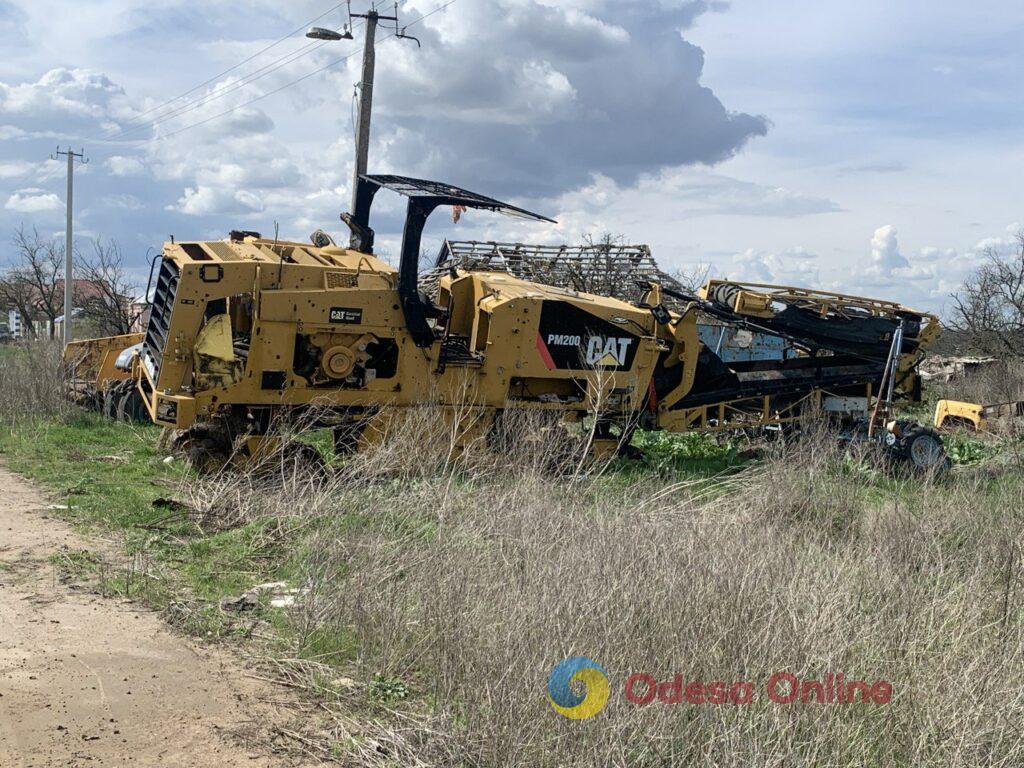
x=617, y=271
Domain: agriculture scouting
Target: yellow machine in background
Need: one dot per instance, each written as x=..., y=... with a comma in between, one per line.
x=955, y=413
x=98, y=367
x=247, y=329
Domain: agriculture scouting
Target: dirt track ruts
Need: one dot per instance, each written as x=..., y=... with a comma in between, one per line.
x=89, y=681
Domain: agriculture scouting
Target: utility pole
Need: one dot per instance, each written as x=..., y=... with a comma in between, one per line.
x=68, y=266
x=366, y=82
x=366, y=97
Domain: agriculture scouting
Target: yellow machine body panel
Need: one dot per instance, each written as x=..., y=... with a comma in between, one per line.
x=953, y=413
x=91, y=362
x=258, y=323
x=950, y=413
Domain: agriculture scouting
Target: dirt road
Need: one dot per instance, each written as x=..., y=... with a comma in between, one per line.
x=89, y=681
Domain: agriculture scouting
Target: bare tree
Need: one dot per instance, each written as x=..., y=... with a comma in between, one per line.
x=693, y=276
x=108, y=304
x=612, y=266
x=989, y=308
x=18, y=295
x=33, y=284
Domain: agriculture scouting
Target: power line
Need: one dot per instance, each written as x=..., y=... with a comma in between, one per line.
x=253, y=100
x=270, y=67
x=224, y=90
x=239, y=64
x=289, y=84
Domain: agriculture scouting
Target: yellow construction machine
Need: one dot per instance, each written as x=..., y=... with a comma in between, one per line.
x=950, y=414
x=248, y=330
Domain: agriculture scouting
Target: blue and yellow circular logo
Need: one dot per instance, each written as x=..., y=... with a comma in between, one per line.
x=574, y=705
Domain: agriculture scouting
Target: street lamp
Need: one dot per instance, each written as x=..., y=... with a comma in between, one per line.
x=319, y=33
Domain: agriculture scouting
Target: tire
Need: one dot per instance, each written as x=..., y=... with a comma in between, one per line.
x=124, y=407
x=206, y=455
x=112, y=398
x=206, y=448
x=141, y=414
x=108, y=406
x=129, y=406
x=923, y=450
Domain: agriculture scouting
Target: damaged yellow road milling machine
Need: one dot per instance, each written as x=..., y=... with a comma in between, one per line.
x=246, y=330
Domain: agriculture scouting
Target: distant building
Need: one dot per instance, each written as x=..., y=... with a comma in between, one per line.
x=140, y=311
x=58, y=322
x=39, y=323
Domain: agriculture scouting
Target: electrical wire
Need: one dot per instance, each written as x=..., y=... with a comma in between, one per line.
x=291, y=83
x=239, y=64
x=248, y=79
x=251, y=101
x=228, y=88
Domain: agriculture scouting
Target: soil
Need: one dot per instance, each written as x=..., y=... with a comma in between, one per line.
x=90, y=681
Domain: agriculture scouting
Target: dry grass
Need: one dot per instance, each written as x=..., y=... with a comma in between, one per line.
x=1000, y=382
x=32, y=381
x=442, y=587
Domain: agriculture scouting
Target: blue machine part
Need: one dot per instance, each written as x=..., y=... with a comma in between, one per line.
x=734, y=345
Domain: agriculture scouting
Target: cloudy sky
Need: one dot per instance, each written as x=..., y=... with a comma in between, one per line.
x=872, y=146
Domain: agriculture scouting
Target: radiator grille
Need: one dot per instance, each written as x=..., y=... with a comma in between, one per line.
x=160, y=316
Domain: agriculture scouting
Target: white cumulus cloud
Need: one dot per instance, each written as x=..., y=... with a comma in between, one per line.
x=205, y=201
x=885, y=252
x=33, y=201
x=119, y=165
x=795, y=266
x=15, y=169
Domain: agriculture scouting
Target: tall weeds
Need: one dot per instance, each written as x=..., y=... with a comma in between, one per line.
x=463, y=577
x=999, y=382
x=32, y=381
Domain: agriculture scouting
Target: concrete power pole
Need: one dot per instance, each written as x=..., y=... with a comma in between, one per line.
x=366, y=81
x=365, y=98
x=69, y=278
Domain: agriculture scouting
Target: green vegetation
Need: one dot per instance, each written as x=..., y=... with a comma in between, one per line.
x=425, y=594
x=704, y=454
x=105, y=477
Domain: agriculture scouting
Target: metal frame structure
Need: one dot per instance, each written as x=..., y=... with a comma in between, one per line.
x=754, y=412
x=424, y=197
x=825, y=302
x=619, y=271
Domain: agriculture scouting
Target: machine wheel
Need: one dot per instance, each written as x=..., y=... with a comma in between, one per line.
x=292, y=458
x=207, y=450
x=923, y=449
x=129, y=405
x=113, y=398
x=108, y=405
x=206, y=456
